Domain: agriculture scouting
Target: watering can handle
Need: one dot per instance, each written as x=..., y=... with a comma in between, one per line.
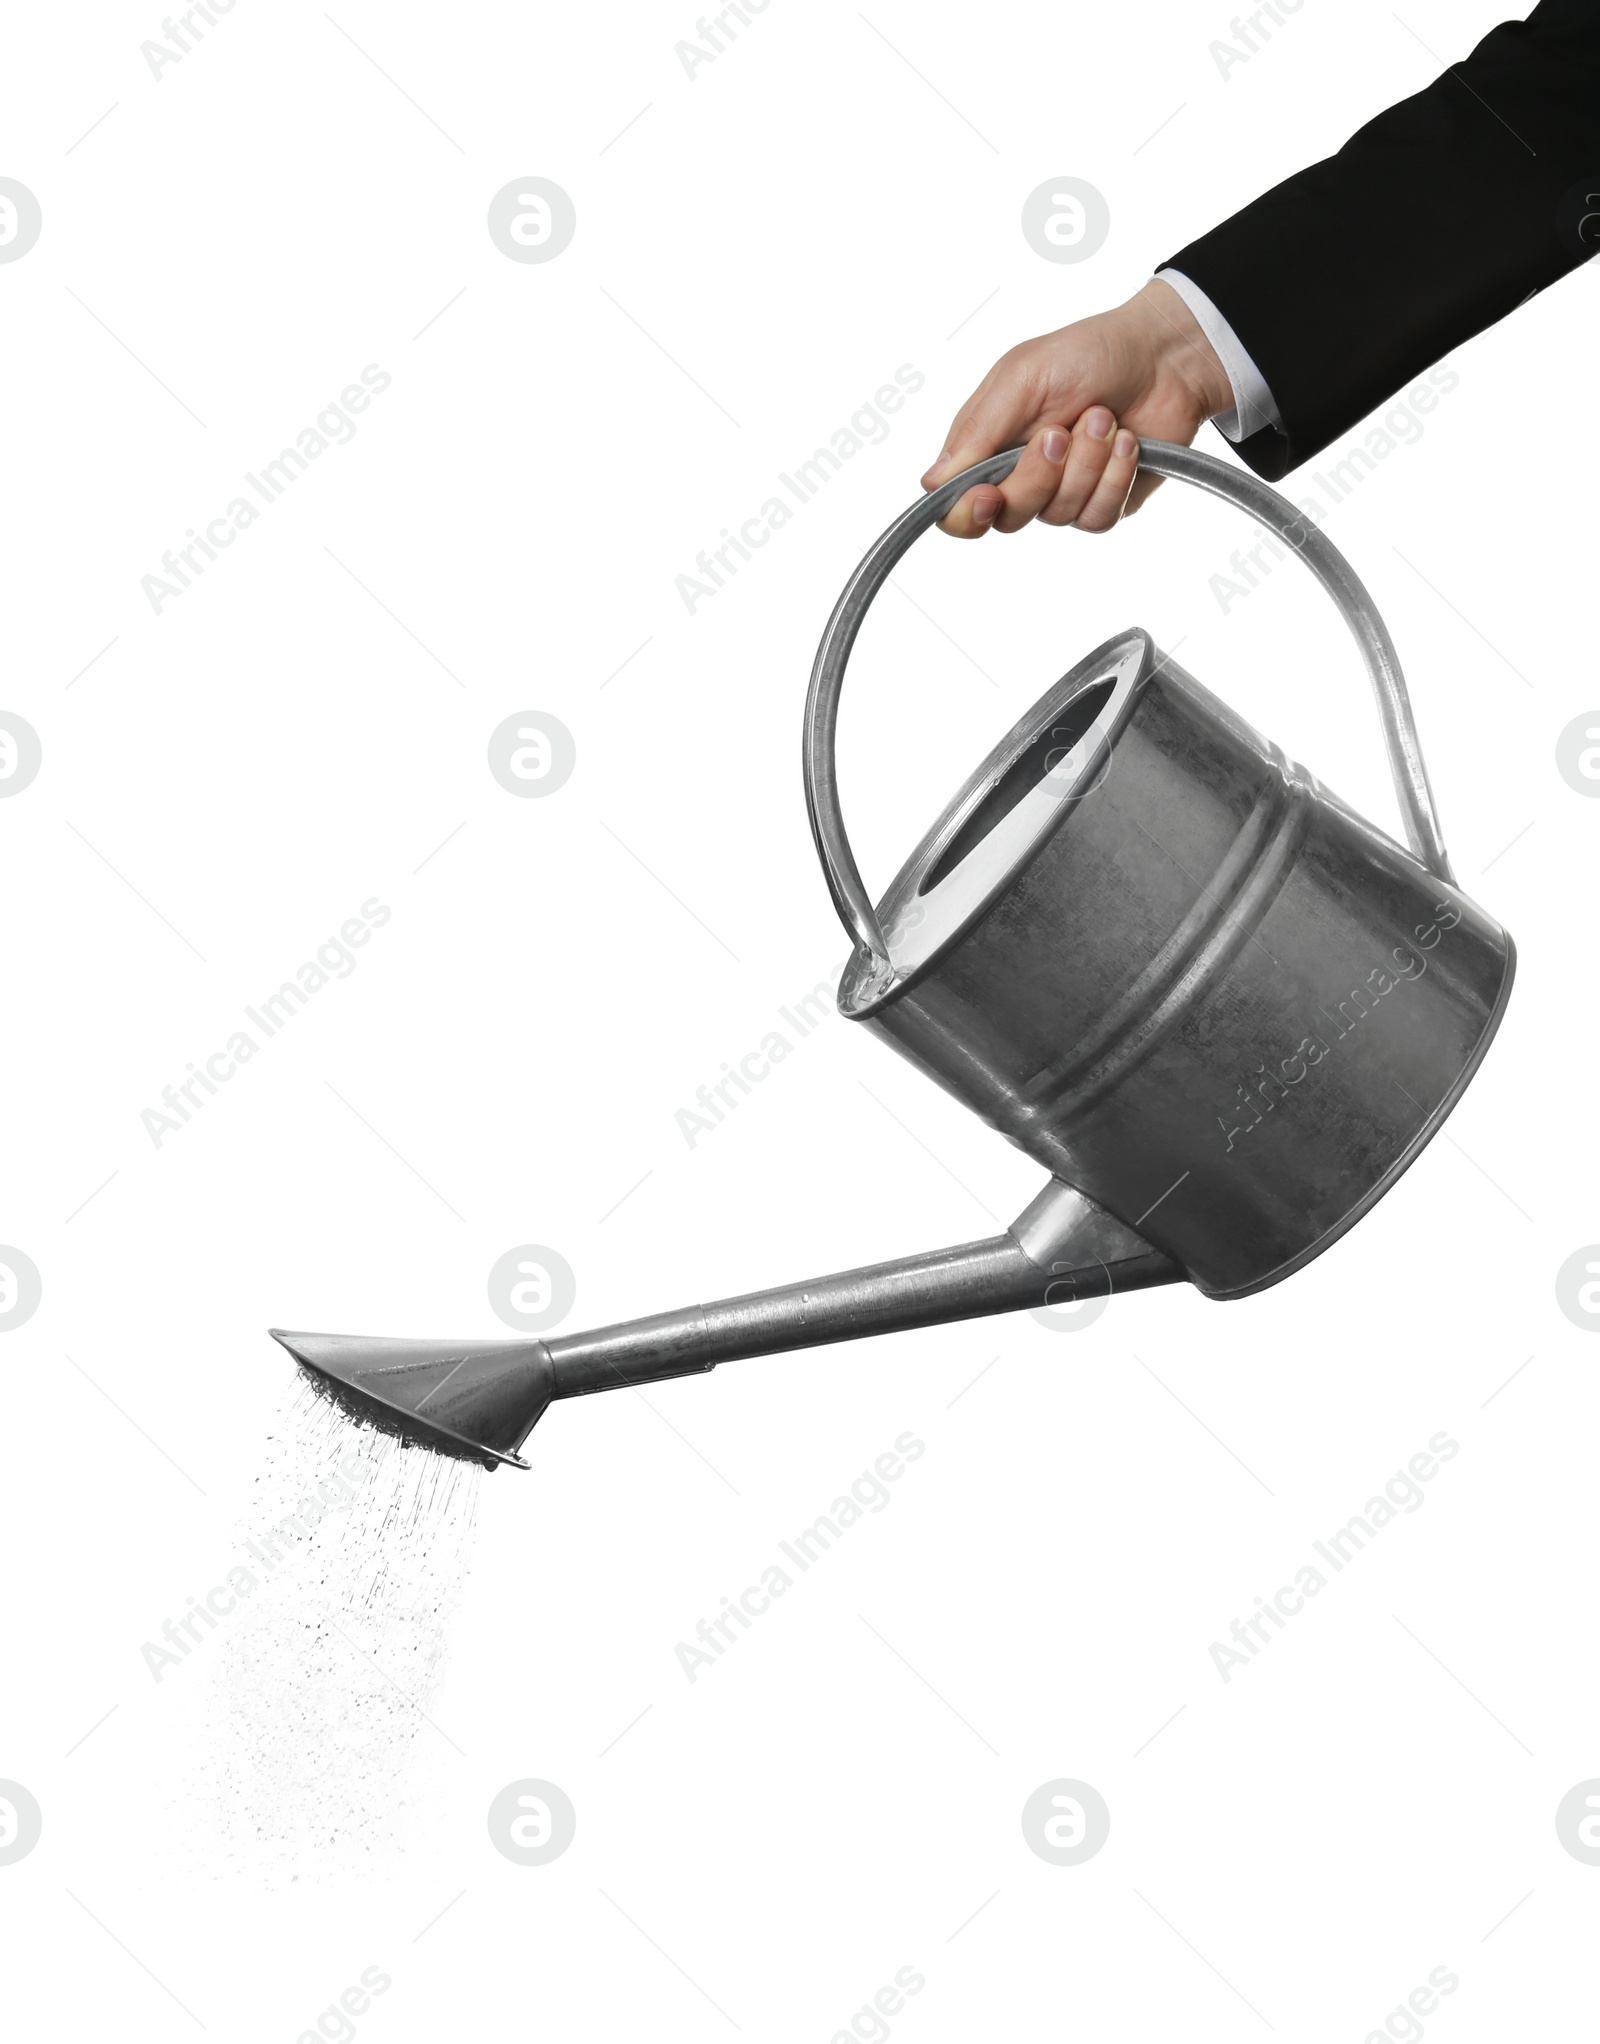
x=1162, y=458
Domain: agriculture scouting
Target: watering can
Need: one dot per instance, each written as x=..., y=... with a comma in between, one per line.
x=1222, y=1009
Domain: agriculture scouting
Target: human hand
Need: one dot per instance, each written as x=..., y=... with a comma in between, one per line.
x=1079, y=397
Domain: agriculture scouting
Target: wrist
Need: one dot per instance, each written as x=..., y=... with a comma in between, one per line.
x=1180, y=349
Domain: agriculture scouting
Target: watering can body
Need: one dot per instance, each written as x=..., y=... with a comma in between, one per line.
x=1195, y=985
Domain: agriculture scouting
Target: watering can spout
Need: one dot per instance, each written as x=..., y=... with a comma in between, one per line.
x=479, y=1400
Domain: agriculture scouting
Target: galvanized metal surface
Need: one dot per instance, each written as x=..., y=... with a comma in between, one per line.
x=1210, y=995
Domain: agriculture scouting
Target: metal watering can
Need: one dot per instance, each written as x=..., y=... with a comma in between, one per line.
x=1222, y=1010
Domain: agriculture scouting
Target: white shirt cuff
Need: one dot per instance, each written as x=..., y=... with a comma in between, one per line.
x=1254, y=406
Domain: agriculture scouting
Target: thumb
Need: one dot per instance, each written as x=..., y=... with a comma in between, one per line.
x=1002, y=412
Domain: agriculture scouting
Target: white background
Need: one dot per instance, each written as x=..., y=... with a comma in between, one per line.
x=760, y=250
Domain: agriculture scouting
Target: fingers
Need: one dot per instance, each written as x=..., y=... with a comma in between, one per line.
x=1081, y=478
x=1098, y=476
x=1031, y=485
x=971, y=516
x=974, y=513
x=1110, y=500
x=1036, y=479
x=1086, y=464
x=1004, y=409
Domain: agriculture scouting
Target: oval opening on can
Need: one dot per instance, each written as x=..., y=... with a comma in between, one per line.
x=1049, y=761
x=1054, y=755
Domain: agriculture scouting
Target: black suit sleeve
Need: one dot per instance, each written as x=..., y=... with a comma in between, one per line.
x=1431, y=223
